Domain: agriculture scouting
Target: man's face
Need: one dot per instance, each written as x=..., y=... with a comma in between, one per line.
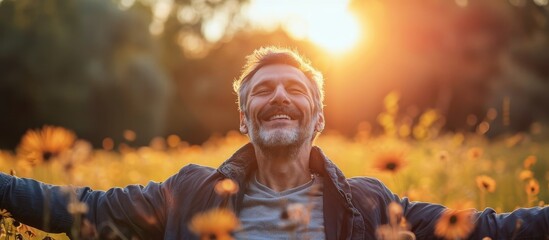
x=280, y=109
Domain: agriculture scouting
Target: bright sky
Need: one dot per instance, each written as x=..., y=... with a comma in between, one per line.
x=327, y=23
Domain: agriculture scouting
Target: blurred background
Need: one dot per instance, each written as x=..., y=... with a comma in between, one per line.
x=161, y=67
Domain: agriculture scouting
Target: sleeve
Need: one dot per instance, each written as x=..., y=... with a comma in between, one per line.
x=134, y=211
x=420, y=216
x=523, y=223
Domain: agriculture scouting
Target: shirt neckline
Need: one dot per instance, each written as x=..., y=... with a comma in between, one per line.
x=285, y=192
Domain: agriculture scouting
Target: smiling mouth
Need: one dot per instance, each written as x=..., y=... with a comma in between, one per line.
x=280, y=117
x=279, y=113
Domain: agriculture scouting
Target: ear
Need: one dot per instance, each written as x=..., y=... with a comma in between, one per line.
x=243, y=127
x=319, y=126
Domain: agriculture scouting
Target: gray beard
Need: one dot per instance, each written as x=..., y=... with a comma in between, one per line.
x=279, y=138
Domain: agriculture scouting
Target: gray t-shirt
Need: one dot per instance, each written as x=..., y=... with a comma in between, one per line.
x=292, y=214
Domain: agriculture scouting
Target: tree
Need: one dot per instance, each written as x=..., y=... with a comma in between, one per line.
x=85, y=65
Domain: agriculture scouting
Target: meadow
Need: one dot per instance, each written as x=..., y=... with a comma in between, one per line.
x=419, y=162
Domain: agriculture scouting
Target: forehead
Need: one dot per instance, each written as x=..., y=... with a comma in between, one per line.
x=279, y=73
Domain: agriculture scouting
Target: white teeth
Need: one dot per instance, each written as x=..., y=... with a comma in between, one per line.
x=280, y=116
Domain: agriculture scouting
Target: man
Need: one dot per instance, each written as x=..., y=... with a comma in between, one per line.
x=280, y=99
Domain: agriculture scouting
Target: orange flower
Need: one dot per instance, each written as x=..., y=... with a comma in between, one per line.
x=129, y=135
x=4, y=214
x=43, y=145
x=454, y=224
x=532, y=187
x=395, y=212
x=485, y=183
x=108, y=143
x=226, y=187
x=526, y=175
x=218, y=222
x=530, y=161
x=443, y=156
x=296, y=214
x=390, y=162
x=397, y=227
x=77, y=207
x=475, y=153
x=173, y=140
x=27, y=230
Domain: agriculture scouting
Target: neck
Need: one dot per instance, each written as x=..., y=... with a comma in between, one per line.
x=283, y=168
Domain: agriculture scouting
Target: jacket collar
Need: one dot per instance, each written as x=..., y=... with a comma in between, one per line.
x=339, y=214
x=243, y=162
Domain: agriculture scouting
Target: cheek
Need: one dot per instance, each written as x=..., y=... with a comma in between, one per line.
x=306, y=104
x=252, y=108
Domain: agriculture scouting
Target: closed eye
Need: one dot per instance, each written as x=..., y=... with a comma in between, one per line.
x=261, y=92
x=297, y=90
x=296, y=87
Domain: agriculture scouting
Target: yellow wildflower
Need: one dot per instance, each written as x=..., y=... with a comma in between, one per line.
x=226, y=187
x=218, y=223
x=43, y=145
x=475, y=153
x=390, y=162
x=4, y=214
x=443, y=156
x=485, y=183
x=532, y=187
x=454, y=224
x=530, y=161
x=526, y=175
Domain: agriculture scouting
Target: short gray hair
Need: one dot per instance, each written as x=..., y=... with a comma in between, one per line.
x=276, y=55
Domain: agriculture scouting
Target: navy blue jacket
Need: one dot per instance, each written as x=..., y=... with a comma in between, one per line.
x=353, y=208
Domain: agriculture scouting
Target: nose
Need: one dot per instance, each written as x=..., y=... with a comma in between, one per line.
x=280, y=96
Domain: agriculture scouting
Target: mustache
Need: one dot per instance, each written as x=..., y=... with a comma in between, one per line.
x=273, y=110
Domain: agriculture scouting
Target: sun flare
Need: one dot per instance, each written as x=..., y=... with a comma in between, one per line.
x=328, y=24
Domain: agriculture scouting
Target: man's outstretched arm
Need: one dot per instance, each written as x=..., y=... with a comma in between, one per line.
x=523, y=223
x=132, y=211
x=422, y=217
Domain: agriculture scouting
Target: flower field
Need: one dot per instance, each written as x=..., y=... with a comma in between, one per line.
x=417, y=161
x=452, y=169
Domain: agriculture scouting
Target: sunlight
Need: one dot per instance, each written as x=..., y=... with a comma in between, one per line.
x=161, y=11
x=336, y=33
x=328, y=24
x=124, y=4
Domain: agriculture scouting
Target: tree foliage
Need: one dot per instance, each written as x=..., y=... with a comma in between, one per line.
x=83, y=64
x=93, y=66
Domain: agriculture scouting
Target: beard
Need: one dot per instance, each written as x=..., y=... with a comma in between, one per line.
x=286, y=137
x=277, y=137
